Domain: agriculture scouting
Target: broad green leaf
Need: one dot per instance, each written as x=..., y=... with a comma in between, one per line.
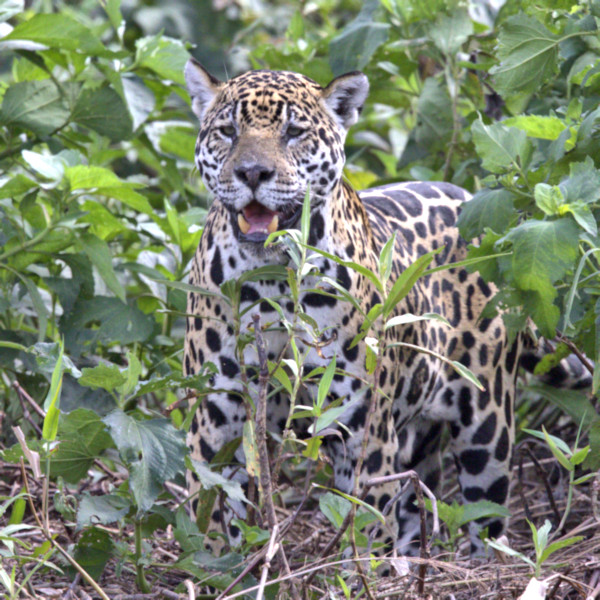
x=103, y=111
x=487, y=208
x=501, y=148
x=542, y=252
x=93, y=550
x=356, y=501
x=82, y=438
x=85, y=177
x=450, y=32
x=528, y=55
x=481, y=509
x=583, y=216
x=353, y=47
x=57, y=30
x=548, y=198
x=35, y=105
x=175, y=380
x=113, y=321
x=434, y=114
x=98, y=252
x=574, y=403
x=583, y=183
x=47, y=355
x=153, y=451
x=163, y=55
x=537, y=126
x=210, y=479
x=334, y=507
x=101, y=510
x=107, y=377
x=17, y=186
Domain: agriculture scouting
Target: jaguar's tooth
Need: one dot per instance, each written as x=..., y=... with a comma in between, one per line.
x=243, y=224
x=273, y=225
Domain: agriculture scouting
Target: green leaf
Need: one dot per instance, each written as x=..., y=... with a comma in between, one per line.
x=35, y=105
x=500, y=148
x=450, y=32
x=117, y=322
x=407, y=280
x=487, y=208
x=353, y=47
x=331, y=413
x=537, y=126
x=407, y=318
x=542, y=252
x=107, y=377
x=98, y=252
x=52, y=403
x=325, y=383
x=101, y=510
x=574, y=403
x=555, y=449
x=82, y=438
x=548, y=198
x=482, y=509
x=93, y=550
x=334, y=507
x=209, y=479
x=57, y=30
x=103, y=111
x=558, y=545
x=153, y=450
x=583, y=183
x=583, y=217
x=163, y=55
x=527, y=53
x=434, y=114
x=592, y=461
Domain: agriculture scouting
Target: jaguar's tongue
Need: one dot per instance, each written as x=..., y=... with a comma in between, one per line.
x=256, y=218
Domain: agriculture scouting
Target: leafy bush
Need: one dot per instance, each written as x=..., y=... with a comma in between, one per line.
x=101, y=210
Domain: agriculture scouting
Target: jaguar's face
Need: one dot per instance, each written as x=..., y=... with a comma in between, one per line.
x=266, y=137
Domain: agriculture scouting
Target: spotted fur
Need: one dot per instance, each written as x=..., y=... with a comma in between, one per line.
x=250, y=151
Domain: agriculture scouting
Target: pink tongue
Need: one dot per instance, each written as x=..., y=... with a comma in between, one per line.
x=258, y=217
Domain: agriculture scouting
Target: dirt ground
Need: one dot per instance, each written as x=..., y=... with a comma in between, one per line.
x=539, y=492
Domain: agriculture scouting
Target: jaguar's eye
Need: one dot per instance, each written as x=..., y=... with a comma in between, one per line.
x=292, y=131
x=227, y=130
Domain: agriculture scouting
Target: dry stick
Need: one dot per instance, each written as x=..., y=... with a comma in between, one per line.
x=261, y=440
x=545, y=481
x=576, y=351
x=420, y=488
x=47, y=535
x=271, y=550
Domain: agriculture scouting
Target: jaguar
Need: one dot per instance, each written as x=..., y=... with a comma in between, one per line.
x=265, y=138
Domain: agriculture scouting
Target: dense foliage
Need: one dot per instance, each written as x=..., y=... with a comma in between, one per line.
x=101, y=209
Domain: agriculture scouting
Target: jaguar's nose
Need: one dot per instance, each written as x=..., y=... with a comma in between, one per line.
x=254, y=175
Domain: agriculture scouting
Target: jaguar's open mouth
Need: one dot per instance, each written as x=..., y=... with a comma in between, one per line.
x=255, y=221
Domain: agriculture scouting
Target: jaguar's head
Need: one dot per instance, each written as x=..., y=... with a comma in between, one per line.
x=266, y=137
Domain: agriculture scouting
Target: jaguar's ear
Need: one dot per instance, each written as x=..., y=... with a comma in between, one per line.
x=202, y=86
x=345, y=97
